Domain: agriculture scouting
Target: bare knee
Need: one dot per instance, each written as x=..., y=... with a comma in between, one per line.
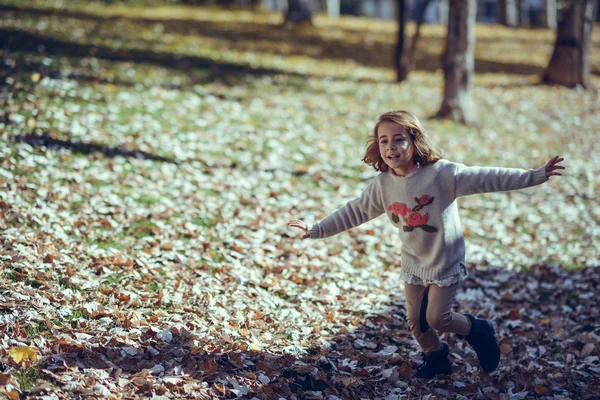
x=439, y=321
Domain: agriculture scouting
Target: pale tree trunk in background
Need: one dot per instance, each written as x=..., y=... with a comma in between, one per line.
x=550, y=14
x=569, y=65
x=458, y=63
x=298, y=12
x=523, y=10
x=331, y=7
x=508, y=12
x=442, y=11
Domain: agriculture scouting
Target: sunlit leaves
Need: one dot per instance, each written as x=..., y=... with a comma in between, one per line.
x=144, y=246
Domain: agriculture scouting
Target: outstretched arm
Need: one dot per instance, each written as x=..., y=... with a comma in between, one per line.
x=471, y=180
x=367, y=206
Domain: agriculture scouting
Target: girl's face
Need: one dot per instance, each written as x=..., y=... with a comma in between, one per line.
x=396, y=147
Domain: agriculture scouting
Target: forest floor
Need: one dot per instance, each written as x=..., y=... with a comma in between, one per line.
x=150, y=159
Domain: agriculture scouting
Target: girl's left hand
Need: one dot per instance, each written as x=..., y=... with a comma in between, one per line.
x=552, y=166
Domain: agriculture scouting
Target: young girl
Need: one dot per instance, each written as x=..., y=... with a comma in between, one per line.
x=417, y=189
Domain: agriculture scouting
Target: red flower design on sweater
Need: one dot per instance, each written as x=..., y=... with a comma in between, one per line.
x=414, y=219
x=424, y=200
x=399, y=209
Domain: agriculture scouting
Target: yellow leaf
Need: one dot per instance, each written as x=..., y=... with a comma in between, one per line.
x=35, y=77
x=21, y=353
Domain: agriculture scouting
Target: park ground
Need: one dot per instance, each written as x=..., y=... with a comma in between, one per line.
x=150, y=159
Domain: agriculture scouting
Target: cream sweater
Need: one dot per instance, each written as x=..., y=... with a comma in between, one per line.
x=424, y=209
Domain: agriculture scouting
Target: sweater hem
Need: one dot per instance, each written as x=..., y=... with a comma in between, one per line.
x=414, y=280
x=426, y=274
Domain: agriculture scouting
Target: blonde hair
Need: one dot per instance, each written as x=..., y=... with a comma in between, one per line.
x=425, y=151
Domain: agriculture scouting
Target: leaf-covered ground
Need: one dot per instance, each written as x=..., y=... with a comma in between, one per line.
x=148, y=169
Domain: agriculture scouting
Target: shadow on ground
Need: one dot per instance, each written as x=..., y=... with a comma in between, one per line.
x=45, y=139
x=379, y=356
x=242, y=36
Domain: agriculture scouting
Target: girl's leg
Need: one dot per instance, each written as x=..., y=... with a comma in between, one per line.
x=416, y=310
x=439, y=311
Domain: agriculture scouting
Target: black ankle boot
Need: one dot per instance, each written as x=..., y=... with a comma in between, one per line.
x=435, y=363
x=481, y=338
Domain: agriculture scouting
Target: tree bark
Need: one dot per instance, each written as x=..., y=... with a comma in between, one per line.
x=523, y=10
x=400, y=61
x=508, y=12
x=406, y=60
x=298, y=12
x=458, y=63
x=569, y=64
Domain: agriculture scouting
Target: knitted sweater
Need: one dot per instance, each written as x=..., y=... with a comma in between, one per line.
x=423, y=207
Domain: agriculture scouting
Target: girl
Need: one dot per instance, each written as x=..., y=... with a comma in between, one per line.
x=417, y=189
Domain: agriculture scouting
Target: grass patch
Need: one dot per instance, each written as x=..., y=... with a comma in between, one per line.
x=34, y=330
x=153, y=287
x=106, y=244
x=73, y=318
x=147, y=200
x=142, y=228
x=204, y=222
x=27, y=377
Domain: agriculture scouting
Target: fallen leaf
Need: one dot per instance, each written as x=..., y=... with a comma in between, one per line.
x=21, y=353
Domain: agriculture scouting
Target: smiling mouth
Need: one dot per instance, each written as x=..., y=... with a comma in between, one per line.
x=393, y=157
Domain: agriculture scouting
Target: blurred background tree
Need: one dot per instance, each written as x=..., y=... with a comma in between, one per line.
x=458, y=63
x=569, y=64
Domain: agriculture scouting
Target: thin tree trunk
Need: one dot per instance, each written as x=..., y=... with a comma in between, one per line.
x=550, y=14
x=332, y=7
x=458, y=63
x=400, y=61
x=569, y=64
x=405, y=61
x=442, y=11
x=508, y=12
x=523, y=10
x=412, y=53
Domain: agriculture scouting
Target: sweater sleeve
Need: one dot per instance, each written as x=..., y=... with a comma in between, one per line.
x=367, y=206
x=471, y=180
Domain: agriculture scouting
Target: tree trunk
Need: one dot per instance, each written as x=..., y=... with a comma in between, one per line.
x=569, y=64
x=523, y=10
x=508, y=12
x=458, y=63
x=400, y=61
x=406, y=63
x=550, y=14
x=298, y=12
x=333, y=8
x=442, y=11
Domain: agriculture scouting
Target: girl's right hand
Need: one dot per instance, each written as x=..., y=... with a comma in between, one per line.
x=296, y=223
